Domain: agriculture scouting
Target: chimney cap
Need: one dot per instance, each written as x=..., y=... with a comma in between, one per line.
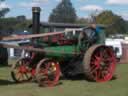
x=36, y=9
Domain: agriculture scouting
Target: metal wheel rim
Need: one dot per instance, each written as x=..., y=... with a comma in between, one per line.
x=102, y=66
x=20, y=71
x=44, y=73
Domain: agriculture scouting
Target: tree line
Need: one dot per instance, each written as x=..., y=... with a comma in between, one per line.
x=64, y=13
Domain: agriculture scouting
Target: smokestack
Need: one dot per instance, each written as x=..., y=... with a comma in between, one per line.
x=36, y=20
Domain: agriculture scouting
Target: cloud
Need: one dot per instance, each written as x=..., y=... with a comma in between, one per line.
x=117, y=2
x=4, y=5
x=33, y=3
x=124, y=15
x=91, y=8
x=43, y=1
x=58, y=0
x=28, y=5
x=83, y=0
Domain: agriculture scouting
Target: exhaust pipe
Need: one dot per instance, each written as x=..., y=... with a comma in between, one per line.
x=36, y=20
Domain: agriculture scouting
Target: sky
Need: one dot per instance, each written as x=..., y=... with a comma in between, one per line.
x=84, y=8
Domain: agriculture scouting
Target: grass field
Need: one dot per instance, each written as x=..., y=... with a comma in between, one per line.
x=118, y=87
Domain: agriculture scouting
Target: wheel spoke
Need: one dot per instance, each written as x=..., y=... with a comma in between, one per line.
x=27, y=75
x=20, y=77
x=48, y=74
x=109, y=70
x=108, y=59
x=47, y=65
x=101, y=55
x=103, y=75
x=43, y=72
x=102, y=64
x=21, y=71
x=96, y=61
x=96, y=75
x=97, y=57
x=93, y=69
x=19, y=62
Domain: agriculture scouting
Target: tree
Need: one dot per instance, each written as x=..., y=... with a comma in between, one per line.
x=21, y=18
x=7, y=25
x=127, y=26
x=82, y=21
x=118, y=25
x=21, y=26
x=3, y=51
x=3, y=11
x=63, y=13
x=11, y=25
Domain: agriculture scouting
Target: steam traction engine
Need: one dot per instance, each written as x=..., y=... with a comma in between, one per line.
x=66, y=53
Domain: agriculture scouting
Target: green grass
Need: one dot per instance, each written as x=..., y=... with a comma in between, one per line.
x=118, y=87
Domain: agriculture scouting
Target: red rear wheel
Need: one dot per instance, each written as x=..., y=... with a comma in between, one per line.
x=47, y=72
x=100, y=63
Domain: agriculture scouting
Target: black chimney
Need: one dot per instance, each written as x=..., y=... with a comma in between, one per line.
x=36, y=20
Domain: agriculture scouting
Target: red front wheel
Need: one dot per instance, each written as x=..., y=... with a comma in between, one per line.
x=21, y=71
x=47, y=72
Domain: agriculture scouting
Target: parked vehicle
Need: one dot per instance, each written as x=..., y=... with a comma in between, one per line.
x=116, y=44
